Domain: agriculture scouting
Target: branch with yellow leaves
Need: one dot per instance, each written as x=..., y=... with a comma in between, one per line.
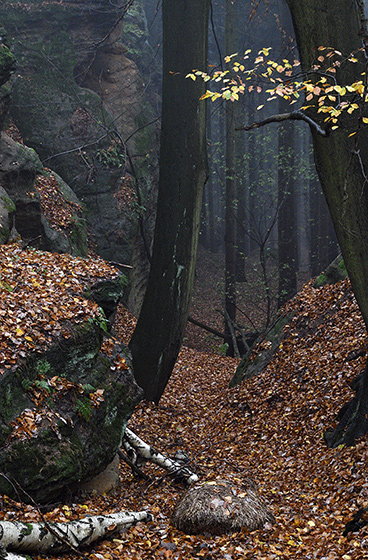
x=293, y=116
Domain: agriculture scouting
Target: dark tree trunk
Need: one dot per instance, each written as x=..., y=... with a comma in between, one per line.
x=241, y=193
x=287, y=230
x=340, y=162
x=158, y=335
x=230, y=197
x=324, y=246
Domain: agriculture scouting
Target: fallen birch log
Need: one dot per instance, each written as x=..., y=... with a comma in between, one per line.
x=139, y=452
x=60, y=537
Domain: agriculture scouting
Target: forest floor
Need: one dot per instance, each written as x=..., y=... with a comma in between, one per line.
x=269, y=429
x=208, y=300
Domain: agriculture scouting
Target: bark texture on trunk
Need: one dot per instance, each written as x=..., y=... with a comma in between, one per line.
x=183, y=171
x=341, y=159
x=54, y=538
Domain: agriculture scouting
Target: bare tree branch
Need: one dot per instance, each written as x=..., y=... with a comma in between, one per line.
x=293, y=116
x=206, y=327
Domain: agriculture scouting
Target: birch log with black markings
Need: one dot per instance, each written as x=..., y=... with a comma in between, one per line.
x=139, y=452
x=17, y=536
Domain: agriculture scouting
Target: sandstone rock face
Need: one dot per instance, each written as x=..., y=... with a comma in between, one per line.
x=20, y=205
x=77, y=100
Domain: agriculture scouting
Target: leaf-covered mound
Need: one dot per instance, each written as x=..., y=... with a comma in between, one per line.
x=39, y=293
x=221, y=506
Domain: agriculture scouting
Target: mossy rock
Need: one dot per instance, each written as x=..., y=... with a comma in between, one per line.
x=77, y=231
x=7, y=64
x=7, y=212
x=335, y=272
x=108, y=293
x=72, y=436
x=20, y=167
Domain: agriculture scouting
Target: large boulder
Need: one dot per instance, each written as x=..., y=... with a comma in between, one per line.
x=66, y=385
x=63, y=413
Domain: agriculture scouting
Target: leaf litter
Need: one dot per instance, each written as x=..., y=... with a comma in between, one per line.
x=269, y=429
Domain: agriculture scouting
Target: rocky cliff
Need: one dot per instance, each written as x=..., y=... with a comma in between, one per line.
x=66, y=385
x=26, y=189
x=79, y=100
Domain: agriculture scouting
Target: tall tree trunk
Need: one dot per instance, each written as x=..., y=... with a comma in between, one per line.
x=301, y=147
x=158, y=335
x=287, y=260
x=231, y=203
x=241, y=168
x=341, y=161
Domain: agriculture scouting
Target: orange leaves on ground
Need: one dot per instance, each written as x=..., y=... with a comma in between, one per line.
x=269, y=428
x=57, y=209
x=39, y=293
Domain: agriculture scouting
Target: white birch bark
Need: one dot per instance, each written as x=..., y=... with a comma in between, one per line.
x=139, y=451
x=36, y=537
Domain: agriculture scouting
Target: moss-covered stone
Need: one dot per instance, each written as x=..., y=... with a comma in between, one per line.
x=335, y=272
x=7, y=212
x=108, y=293
x=7, y=64
x=7, y=203
x=73, y=436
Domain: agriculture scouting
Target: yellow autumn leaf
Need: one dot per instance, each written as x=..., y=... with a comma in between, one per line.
x=206, y=95
x=265, y=51
x=365, y=120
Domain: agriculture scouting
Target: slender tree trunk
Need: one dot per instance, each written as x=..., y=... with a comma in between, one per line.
x=301, y=147
x=241, y=184
x=287, y=216
x=158, y=335
x=341, y=162
x=253, y=159
x=230, y=182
